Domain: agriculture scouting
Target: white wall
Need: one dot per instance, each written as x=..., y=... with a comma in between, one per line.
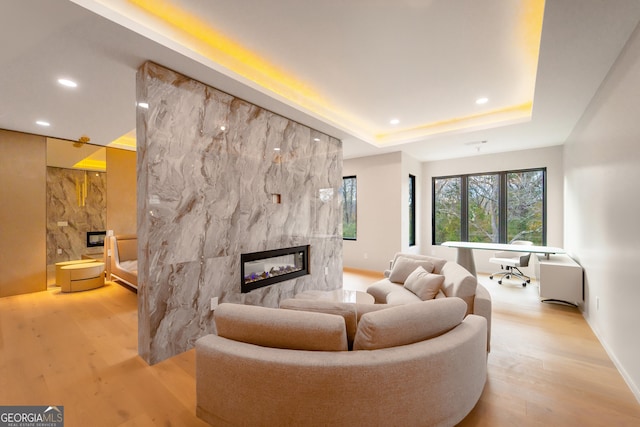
x=383, y=209
x=602, y=230
x=383, y=193
x=411, y=166
x=379, y=211
x=550, y=157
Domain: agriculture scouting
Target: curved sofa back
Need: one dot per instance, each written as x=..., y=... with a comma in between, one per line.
x=435, y=382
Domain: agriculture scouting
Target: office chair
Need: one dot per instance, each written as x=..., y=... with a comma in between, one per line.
x=510, y=261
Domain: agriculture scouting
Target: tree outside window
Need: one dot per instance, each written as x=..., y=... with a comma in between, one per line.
x=447, y=209
x=484, y=208
x=525, y=206
x=349, y=207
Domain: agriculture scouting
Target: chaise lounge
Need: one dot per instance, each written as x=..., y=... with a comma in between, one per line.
x=122, y=256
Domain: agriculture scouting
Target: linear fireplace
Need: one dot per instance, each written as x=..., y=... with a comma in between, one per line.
x=258, y=269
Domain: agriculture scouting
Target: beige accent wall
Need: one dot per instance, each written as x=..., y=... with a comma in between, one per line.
x=121, y=191
x=22, y=213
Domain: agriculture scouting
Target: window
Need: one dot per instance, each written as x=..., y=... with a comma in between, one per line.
x=412, y=210
x=497, y=207
x=526, y=206
x=483, y=208
x=447, y=209
x=349, y=207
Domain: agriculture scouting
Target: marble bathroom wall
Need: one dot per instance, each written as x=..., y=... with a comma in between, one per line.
x=63, y=207
x=217, y=177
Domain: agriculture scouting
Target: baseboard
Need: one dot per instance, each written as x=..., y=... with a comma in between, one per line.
x=627, y=379
x=363, y=272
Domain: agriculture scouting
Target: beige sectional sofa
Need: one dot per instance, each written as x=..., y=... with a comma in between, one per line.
x=421, y=364
x=456, y=282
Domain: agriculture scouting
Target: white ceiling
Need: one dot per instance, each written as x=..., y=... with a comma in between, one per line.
x=357, y=63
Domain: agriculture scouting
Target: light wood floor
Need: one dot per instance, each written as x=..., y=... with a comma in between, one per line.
x=79, y=350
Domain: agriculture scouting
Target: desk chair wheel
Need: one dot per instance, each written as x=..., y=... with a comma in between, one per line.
x=524, y=284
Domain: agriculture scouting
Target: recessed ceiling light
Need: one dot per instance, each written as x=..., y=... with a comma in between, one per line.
x=67, y=83
x=43, y=123
x=482, y=100
x=394, y=121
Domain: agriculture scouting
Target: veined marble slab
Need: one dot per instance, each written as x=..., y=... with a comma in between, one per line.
x=211, y=170
x=64, y=207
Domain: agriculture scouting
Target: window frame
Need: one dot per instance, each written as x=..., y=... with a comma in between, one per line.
x=412, y=210
x=355, y=178
x=502, y=215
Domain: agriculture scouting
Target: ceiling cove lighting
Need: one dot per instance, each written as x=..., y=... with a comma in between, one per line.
x=43, y=123
x=67, y=83
x=197, y=35
x=200, y=39
x=481, y=101
x=514, y=114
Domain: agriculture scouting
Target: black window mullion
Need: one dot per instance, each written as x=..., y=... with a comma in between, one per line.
x=412, y=210
x=464, y=207
x=544, y=203
x=503, y=209
x=502, y=215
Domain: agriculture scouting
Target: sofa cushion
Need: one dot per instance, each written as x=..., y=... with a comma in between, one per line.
x=344, y=309
x=363, y=308
x=381, y=289
x=127, y=247
x=402, y=296
x=403, y=267
x=424, y=284
x=408, y=324
x=272, y=327
x=438, y=263
x=459, y=283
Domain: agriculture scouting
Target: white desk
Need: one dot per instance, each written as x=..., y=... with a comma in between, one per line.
x=560, y=279
x=465, y=251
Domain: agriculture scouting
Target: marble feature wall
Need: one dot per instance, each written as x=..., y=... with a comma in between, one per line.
x=217, y=177
x=62, y=206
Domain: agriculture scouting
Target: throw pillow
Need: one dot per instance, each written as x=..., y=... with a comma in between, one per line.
x=424, y=284
x=272, y=327
x=403, y=267
x=408, y=324
x=459, y=283
x=346, y=310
